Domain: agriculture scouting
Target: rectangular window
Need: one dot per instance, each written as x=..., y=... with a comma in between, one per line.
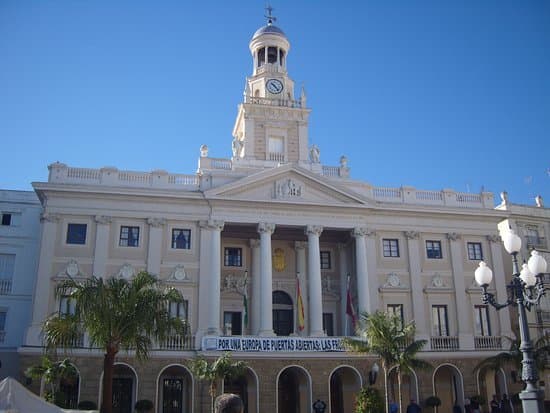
x=232, y=323
x=181, y=239
x=7, y=266
x=440, y=326
x=129, y=236
x=325, y=260
x=474, y=251
x=396, y=310
x=391, y=247
x=66, y=305
x=3, y=316
x=179, y=310
x=233, y=257
x=76, y=234
x=328, y=324
x=482, y=325
x=6, y=219
x=433, y=249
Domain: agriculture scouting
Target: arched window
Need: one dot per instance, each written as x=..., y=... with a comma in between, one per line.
x=283, y=314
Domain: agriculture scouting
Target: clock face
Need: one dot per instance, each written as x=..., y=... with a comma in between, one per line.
x=274, y=86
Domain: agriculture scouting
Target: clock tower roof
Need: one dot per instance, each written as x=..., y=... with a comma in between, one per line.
x=268, y=29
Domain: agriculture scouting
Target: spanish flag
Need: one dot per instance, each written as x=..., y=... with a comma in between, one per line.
x=301, y=323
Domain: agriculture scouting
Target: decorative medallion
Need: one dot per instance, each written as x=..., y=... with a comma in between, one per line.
x=179, y=273
x=126, y=272
x=72, y=268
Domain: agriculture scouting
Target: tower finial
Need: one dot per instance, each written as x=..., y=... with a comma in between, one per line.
x=270, y=18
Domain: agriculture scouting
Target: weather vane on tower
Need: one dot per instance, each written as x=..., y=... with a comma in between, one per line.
x=270, y=18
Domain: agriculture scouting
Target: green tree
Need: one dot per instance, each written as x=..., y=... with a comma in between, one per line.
x=53, y=372
x=385, y=335
x=220, y=369
x=117, y=314
x=513, y=356
x=369, y=400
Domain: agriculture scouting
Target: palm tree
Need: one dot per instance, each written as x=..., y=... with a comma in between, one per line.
x=53, y=372
x=513, y=356
x=118, y=315
x=385, y=335
x=220, y=369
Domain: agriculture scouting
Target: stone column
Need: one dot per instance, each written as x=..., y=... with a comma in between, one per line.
x=300, y=248
x=314, y=277
x=363, y=295
x=209, y=279
x=465, y=333
x=372, y=271
x=41, y=305
x=256, y=287
x=417, y=294
x=101, y=250
x=344, y=271
x=500, y=284
x=154, y=251
x=266, y=268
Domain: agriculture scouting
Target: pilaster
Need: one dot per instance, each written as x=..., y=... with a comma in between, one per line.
x=154, y=251
x=266, y=267
x=101, y=250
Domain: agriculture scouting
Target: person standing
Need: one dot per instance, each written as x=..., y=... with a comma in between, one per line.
x=505, y=404
x=413, y=407
x=495, y=405
x=394, y=407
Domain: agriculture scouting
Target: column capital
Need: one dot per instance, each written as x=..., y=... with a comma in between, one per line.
x=493, y=238
x=300, y=245
x=453, y=236
x=103, y=219
x=411, y=234
x=47, y=217
x=156, y=222
x=362, y=232
x=254, y=243
x=314, y=230
x=212, y=224
x=266, y=228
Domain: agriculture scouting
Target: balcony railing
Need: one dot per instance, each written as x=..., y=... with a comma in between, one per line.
x=5, y=286
x=488, y=342
x=178, y=343
x=444, y=343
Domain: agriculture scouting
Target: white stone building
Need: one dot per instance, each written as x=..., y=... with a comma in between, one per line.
x=19, y=235
x=254, y=224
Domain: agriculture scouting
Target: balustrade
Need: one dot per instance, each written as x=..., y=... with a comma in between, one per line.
x=445, y=343
x=178, y=342
x=5, y=286
x=488, y=342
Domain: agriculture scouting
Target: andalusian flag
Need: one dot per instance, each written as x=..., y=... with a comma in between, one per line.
x=245, y=299
x=301, y=319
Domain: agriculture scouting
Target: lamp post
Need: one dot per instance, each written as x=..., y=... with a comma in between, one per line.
x=524, y=291
x=373, y=373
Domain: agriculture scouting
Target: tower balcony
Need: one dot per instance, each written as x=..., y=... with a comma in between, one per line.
x=289, y=103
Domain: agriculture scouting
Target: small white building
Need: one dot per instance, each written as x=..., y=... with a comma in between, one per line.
x=19, y=235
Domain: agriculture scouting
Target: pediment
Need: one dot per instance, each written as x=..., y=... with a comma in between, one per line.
x=286, y=184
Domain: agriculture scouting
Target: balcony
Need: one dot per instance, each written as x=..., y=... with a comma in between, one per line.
x=442, y=343
x=178, y=343
x=5, y=286
x=488, y=342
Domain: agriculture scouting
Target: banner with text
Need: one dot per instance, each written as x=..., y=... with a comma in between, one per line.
x=272, y=344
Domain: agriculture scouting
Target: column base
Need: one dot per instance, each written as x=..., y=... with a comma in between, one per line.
x=319, y=333
x=266, y=333
x=532, y=401
x=213, y=332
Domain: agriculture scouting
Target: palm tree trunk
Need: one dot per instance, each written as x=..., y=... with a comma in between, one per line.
x=386, y=388
x=108, y=367
x=399, y=390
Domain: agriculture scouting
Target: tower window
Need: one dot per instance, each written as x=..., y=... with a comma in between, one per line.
x=261, y=56
x=281, y=57
x=271, y=55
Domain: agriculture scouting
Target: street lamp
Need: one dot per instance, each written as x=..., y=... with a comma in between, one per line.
x=373, y=373
x=524, y=291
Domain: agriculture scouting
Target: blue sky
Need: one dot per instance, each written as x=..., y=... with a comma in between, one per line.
x=430, y=94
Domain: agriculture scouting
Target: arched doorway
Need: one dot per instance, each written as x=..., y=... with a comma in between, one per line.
x=345, y=383
x=124, y=388
x=409, y=387
x=283, y=314
x=175, y=389
x=293, y=391
x=449, y=387
x=69, y=389
x=492, y=382
x=245, y=386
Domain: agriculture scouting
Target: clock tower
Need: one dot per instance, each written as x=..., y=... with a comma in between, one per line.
x=272, y=124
